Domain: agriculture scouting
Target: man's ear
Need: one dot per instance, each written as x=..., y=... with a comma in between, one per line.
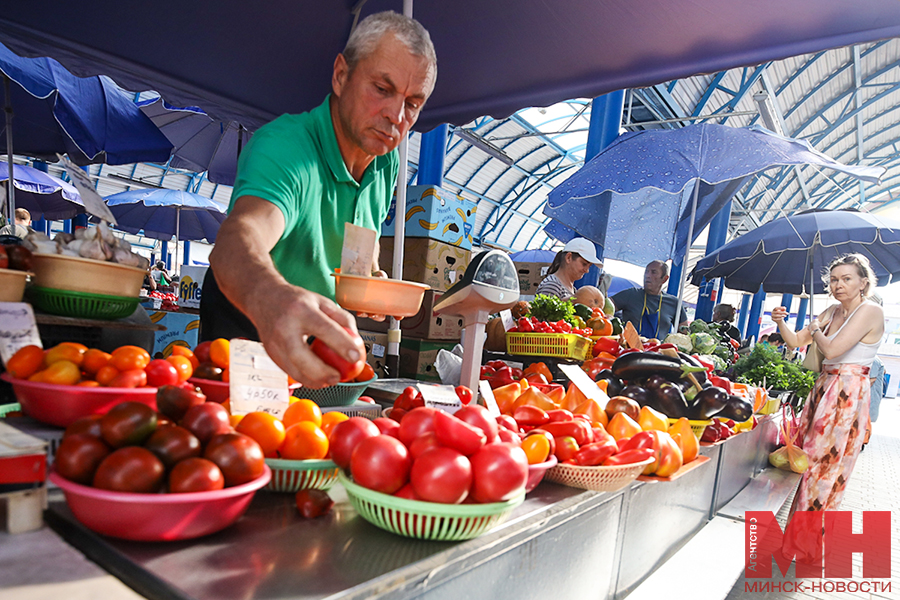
x=340, y=74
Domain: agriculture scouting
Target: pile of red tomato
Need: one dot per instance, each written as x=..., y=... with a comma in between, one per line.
x=532, y=325
x=189, y=446
x=169, y=300
x=70, y=363
x=15, y=257
x=433, y=456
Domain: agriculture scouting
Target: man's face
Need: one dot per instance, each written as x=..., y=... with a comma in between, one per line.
x=654, y=277
x=381, y=99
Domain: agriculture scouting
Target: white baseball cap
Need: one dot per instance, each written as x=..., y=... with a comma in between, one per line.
x=584, y=248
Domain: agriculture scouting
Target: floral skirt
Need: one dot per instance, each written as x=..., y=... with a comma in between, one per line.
x=832, y=429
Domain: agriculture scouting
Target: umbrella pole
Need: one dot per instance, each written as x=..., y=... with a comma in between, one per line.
x=177, y=234
x=687, y=253
x=10, y=187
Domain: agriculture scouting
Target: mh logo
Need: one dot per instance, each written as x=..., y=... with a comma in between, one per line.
x=827, y=535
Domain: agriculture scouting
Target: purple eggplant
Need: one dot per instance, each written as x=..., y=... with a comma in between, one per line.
x=636, y=393
x=669, y=400
x=707, y=403
x=737, y=409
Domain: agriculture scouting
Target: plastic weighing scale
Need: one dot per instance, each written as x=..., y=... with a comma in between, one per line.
x=490, y=284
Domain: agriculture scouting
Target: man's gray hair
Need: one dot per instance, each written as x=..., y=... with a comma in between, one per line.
x=365, y=37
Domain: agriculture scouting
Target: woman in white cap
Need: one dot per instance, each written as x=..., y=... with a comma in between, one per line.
x=570, y=265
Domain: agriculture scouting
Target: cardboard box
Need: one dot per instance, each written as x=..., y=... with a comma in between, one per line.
x=190, y=287
x=376, y=349
x=424, y=325
x=434, y=213
x=182, y=329
x=431, y=262
x=530, y=276
x=417, y=358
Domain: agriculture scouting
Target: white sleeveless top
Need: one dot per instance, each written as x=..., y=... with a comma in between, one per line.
x=860, y=354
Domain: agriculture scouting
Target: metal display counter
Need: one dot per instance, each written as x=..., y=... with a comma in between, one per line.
x=561, y=541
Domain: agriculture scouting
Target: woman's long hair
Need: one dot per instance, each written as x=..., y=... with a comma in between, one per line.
x=557, y=262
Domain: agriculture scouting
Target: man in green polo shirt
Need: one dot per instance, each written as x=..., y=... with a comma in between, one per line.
x=299, y=180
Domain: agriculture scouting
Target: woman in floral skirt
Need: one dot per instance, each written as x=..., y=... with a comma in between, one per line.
x=834, y=421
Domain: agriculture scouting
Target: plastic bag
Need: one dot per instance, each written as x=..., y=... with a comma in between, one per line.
x=789, y=457
x=449, y=366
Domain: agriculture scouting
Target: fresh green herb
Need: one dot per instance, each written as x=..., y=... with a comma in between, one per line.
x=552, y=309
x=766, y=365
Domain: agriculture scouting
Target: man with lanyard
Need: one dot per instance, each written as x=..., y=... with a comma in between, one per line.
x=651, y=311
x=299, y=180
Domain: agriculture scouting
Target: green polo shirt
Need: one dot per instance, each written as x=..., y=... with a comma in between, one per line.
x=294, y=162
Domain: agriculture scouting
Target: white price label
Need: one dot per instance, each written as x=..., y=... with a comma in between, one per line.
x=441, y=397
x=584, y=383
x=377, y=350
x=487, y=394
x=17, y=328
x=508, y=321
x=255, y=382
x=92, y=201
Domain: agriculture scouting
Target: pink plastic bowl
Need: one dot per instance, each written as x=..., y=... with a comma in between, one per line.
x=216, y=391
x=158, y=517
x=61, y=405
x=536, y=472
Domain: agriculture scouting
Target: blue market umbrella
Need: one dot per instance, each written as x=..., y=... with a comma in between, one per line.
x=641, y=187
x=163, y=213
x=201, y=143
x=784, y=254
x=42, y=194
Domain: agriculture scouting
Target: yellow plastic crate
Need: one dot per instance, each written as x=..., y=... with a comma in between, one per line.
x=771, y=406
x=557, y=345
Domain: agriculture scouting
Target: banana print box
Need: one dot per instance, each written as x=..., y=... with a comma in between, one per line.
x=435, y=213
x=436, y=264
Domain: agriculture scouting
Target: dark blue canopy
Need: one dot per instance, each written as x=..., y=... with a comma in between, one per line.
x=250, y=62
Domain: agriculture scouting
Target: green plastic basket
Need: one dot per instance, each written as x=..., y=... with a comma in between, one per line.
x=81, y=304
x=427, y=520
x=296, y=475
x=342, y=394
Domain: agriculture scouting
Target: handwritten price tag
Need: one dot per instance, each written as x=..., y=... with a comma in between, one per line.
x=256, y=383
x=17, y=328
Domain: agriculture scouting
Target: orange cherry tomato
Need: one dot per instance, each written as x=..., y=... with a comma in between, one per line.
x=304, y=441
x=132, y=378
x=302, y=410
x=537, y=448
x=126, y=358
x=106, y=374
x=25, y=362
x=183, y=365
x=187, y=353
x=330, y=419
x=219, y=352
x=88, y=383
x=62, y=372
x=94, y=360
x=266, y=429
x=65, y=351
x=367, y=373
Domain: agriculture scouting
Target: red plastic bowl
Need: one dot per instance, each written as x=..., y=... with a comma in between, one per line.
x=216, y=391
x=158, y=517
x=61, y=405
x=536, y=472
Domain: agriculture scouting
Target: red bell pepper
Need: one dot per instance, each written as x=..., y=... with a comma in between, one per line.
x=628, y=457
x=608, y=345
x=503, y=376
x=710, y=368
x=595, y=453
x=722, y=382
x=577, y=428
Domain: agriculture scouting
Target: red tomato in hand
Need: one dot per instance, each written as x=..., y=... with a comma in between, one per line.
x=161, y=372
x=346, y=435
x=195, y=475
x=348, y=370
x=130, y=469
x=441, y=475
x=381, y=463
x=500, y=472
